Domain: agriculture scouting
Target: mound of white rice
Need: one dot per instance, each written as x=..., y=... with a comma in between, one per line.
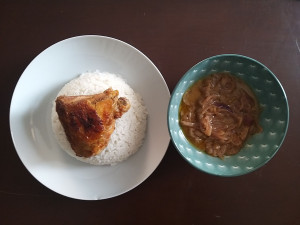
x=130, y=128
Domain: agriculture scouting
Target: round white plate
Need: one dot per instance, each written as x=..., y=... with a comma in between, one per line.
x=30, y=117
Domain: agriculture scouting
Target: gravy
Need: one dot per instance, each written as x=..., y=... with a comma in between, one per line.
x=218, y=114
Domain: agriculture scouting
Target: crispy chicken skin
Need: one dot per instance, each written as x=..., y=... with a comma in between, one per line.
x=89, y=120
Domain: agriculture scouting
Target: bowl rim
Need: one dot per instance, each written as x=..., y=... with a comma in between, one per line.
x=277, y=82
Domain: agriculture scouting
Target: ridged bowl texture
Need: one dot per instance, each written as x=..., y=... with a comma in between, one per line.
x=274, y=118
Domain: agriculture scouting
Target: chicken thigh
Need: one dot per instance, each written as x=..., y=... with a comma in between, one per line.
x=89, y=120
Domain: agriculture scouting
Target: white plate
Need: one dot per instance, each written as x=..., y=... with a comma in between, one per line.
x=30, y=114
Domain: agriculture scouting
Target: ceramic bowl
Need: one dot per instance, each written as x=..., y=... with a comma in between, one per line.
x=274, y=118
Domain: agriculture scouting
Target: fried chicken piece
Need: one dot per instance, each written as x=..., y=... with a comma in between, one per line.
x=89, y=120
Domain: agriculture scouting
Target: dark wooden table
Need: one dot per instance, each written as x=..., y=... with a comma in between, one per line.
x=175, y=35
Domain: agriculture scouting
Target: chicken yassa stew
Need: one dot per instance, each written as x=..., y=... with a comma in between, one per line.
x=218, y=114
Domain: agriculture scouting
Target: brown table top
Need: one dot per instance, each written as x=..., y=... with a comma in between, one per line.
x=175, y=35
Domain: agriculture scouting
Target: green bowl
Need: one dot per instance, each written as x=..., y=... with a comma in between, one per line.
x=274, y=119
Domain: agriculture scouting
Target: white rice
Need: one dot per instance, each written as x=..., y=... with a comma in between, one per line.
x=130, y=128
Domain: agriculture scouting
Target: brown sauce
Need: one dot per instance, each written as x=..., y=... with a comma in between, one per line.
x=218, y=114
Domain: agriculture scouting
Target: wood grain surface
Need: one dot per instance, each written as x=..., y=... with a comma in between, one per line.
x=175, y=35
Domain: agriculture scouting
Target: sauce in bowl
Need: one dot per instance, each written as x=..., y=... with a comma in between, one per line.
x=218, y=114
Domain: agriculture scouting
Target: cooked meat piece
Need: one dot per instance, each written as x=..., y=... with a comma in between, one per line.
x=89, y=120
